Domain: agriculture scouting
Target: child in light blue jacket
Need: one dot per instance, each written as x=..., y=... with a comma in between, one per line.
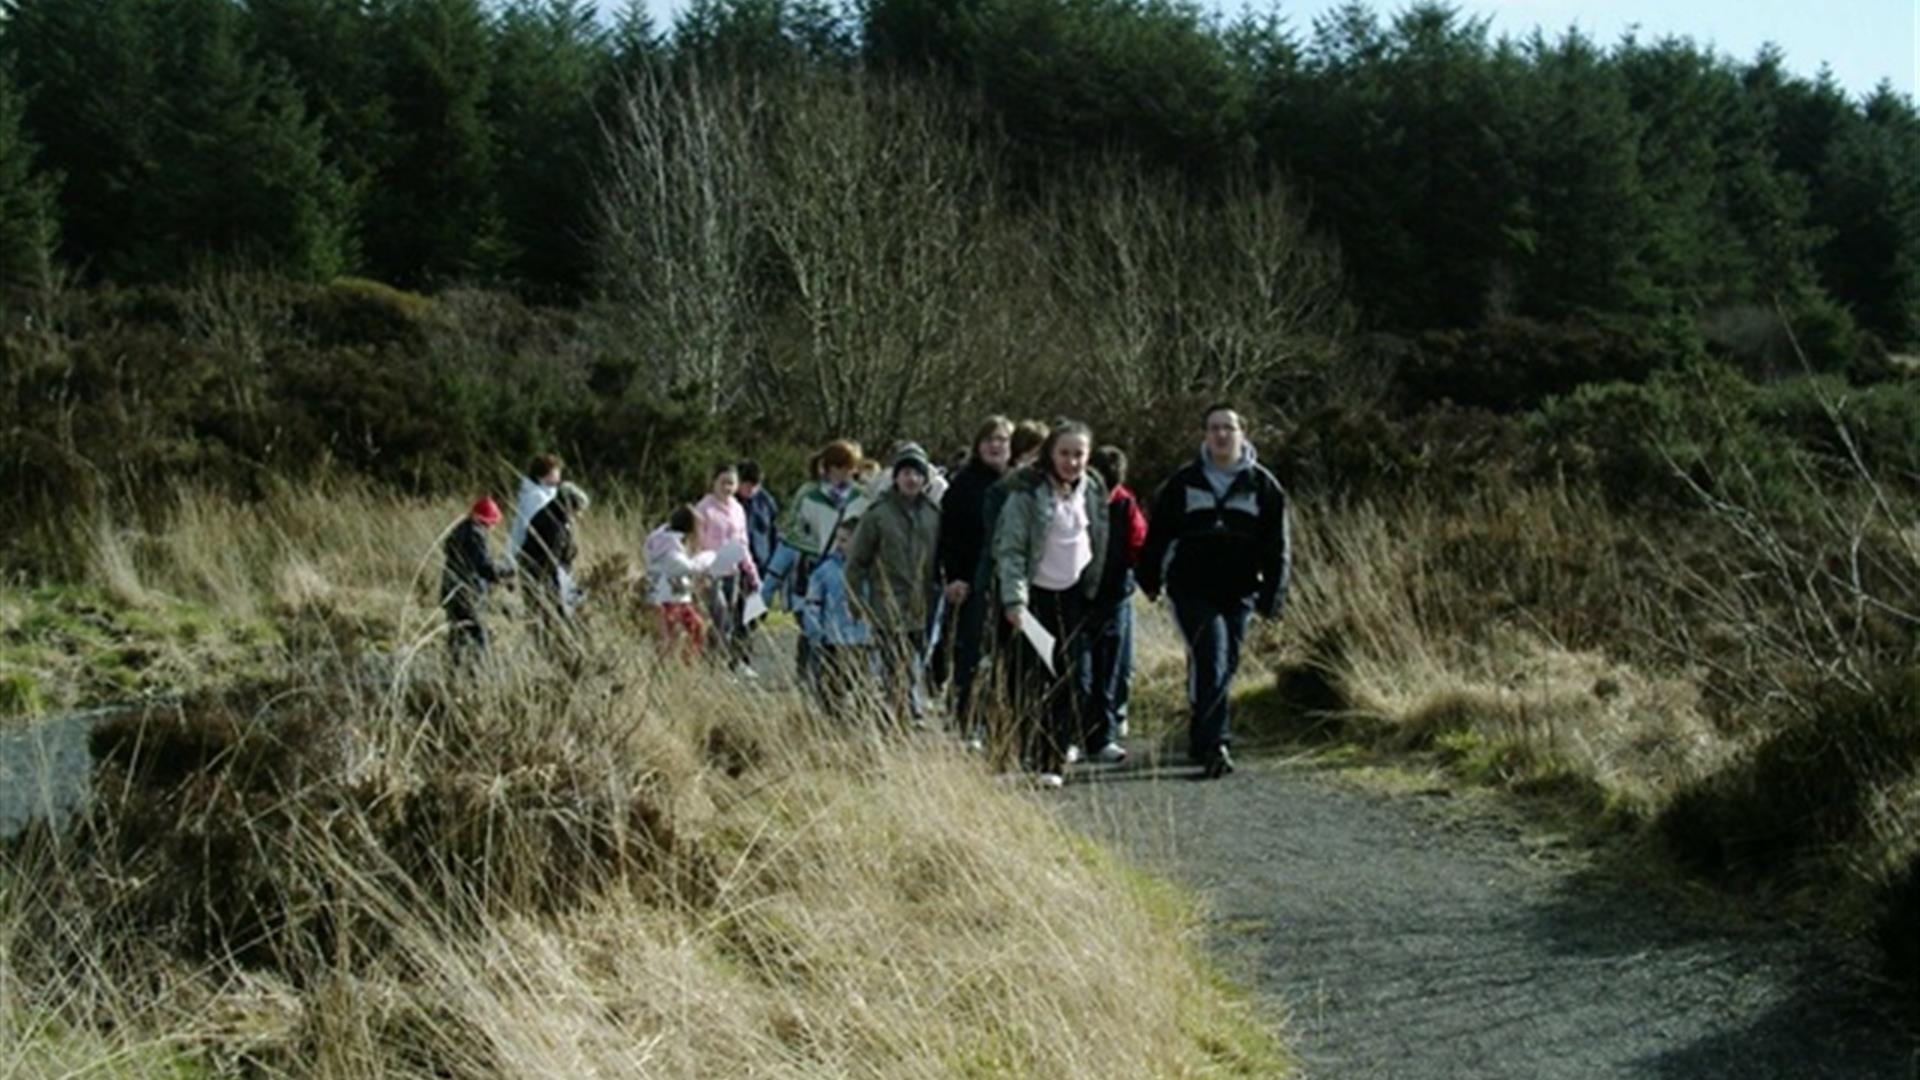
x=841, y=641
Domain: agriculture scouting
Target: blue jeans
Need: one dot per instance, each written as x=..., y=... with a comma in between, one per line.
x=1111, y=628
x=1213, y=632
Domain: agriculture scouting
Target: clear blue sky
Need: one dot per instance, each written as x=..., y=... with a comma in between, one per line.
x=1863, y=41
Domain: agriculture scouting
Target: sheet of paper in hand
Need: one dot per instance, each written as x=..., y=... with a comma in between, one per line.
x=1038, y=637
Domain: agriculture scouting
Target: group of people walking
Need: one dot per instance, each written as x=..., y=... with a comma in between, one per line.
x=911, y=585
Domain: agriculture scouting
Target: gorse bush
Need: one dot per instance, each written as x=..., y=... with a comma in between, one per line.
x=248, y=385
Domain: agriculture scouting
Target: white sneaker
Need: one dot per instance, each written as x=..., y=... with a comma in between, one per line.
x=1073, y=755
x=746, y=671
x=1120, y=729
x=1112, y=754
x=1048, y=781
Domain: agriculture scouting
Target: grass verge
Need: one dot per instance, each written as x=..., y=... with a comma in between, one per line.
x=602, y=866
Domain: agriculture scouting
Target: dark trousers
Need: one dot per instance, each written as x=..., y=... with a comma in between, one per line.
x=466, y=634
x=1213, y=631
x=1110, y=626
x=969, y=632
x=806, y=665
x=1047, y=708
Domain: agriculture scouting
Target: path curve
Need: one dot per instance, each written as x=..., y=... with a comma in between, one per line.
x=1408, y=942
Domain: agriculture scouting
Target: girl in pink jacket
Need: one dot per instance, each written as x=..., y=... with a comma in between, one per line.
x=723, y=525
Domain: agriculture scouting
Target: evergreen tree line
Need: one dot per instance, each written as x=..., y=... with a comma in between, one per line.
x=1463, y=178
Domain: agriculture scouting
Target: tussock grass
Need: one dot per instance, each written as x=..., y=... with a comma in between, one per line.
x=613, y=866
x=1492, y=633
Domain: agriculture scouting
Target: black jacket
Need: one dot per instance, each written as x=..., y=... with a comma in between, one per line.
x=549, y=543
x=963, y=531
x=1224, y=548
x=470, y=569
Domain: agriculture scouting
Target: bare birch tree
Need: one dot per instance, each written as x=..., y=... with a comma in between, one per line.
x=677, y=225
x=877, y=206
x=1180, y=294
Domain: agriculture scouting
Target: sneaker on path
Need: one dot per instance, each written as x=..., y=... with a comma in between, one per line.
x=1219, y=765
x=1112, y=754
x=1048, y=781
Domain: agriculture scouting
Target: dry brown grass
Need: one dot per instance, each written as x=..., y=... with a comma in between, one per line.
x=625, y=868
x=1508, y=634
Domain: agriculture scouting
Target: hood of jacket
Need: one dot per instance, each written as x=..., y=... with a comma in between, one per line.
x=664, y=540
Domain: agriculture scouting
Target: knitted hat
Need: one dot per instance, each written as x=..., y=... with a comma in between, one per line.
x=912, y=457
x=486, y=511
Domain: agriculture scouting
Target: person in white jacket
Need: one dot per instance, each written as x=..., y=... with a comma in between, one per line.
x=671, y=575
x=537, y=488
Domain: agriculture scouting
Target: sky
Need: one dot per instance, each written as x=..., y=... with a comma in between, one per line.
x=1863, y=41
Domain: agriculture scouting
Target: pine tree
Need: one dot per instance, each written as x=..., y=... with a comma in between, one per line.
x=1869, y=201
x=435, y=214
x=175, y=144
x=1406, y=144
x=240, y=165
x=1587, y=219
x=28, y=227
x=326, y=46
x=761, y=36
x=87, y=70
x=551, y=58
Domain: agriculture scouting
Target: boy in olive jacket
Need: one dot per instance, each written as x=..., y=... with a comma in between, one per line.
x=891, y=571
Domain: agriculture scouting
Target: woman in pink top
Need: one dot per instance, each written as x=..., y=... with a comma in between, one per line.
x=722, y=521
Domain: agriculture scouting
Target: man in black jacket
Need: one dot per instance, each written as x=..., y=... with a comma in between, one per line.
x=470, y=572
x=1217, y=544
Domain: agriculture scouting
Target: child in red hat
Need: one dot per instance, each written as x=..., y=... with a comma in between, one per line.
x=470, y=572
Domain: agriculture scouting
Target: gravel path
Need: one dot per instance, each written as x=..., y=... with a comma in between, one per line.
x=1407, y=941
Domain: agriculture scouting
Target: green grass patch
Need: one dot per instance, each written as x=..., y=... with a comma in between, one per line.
x=69, y=646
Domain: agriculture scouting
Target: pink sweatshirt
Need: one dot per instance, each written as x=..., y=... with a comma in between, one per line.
x=721, y=522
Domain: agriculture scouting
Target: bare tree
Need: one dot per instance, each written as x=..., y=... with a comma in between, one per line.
x=1181, y=293
x=877, y=207
x=677, y=227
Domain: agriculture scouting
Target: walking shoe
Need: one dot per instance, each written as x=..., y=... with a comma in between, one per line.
x=1111, y=754
x=1219, y=765
x=1048, y=781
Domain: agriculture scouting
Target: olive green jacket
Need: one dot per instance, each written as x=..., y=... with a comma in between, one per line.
x=1020, y=534
x=890, y=563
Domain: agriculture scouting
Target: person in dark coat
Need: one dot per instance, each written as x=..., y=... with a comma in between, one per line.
x=469, y=575
x=546, y=561
x=763, y=516
x=963, y=538
x=1217, y=544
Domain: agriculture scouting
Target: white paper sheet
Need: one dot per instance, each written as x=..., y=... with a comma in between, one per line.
x=1038, y=637
x=754, y=608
